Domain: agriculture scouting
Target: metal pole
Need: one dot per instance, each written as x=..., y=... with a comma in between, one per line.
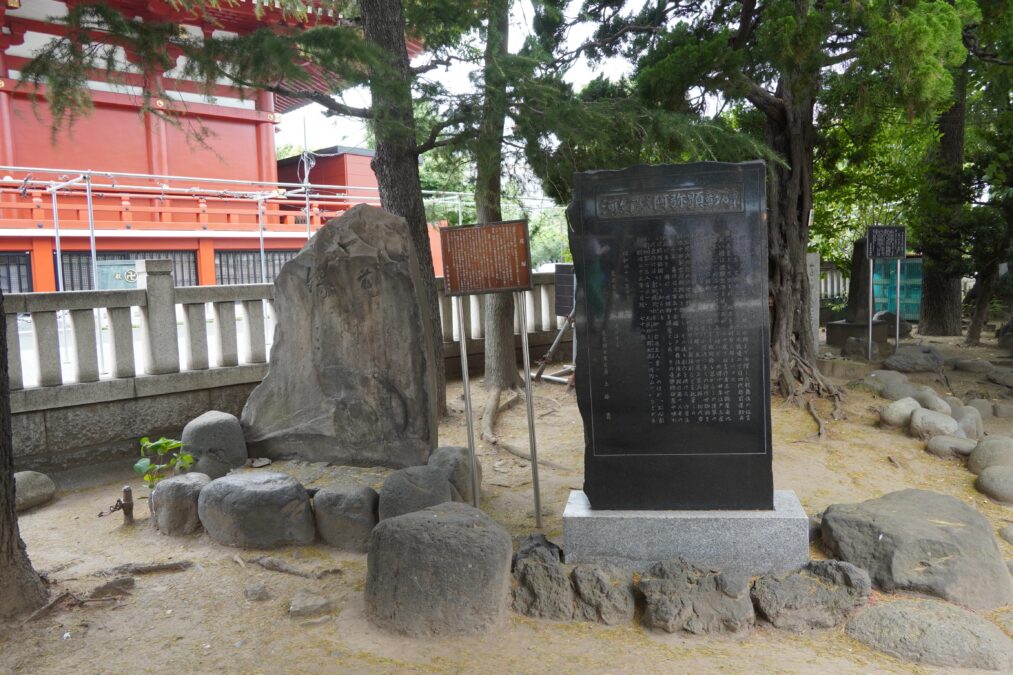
x=896, y=343
x=91, y=231
x=462, y=334
x=306, y=176
x=460, y=217
x=871, y=273
x=519, y=299
x=260, y=223
x=59, y=253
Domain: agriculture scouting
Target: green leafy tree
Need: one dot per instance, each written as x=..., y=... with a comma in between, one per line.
x=780, y=60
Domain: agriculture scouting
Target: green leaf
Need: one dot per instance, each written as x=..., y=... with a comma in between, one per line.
x=142, y=466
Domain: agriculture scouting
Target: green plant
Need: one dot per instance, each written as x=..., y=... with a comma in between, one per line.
x=161, y=457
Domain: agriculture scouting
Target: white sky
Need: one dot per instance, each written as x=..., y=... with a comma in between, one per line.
x=322, y=131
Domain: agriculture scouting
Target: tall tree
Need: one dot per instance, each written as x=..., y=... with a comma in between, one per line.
x=21, y=590
x=781, y=58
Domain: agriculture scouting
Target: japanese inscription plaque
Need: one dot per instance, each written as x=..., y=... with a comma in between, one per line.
x=672, y=336
x=488, y=258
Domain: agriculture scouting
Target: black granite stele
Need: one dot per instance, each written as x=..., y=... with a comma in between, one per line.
x=672, y=336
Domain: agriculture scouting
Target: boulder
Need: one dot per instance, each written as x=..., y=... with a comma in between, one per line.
x=1003, y=376
x=542, y=590
x=603, y=594
x=991, y=451
x=455, y=464
x=345, y=515
x=353, y=368
x=1003, y=410
x=930, y=400
x=680, y=597
x=858, y=348
x=215, y=439
x=878, y=379
x=31, y=489
x=173, y=503
x=978, y=366
x=256, y=510
x=949, y=447
x=441, y=571
x=898, y=414
x=953, y=402
x=924, y=542
x=256, y=592
x=969, y=422
x=983, y=406
x=821, y=595
x=538, y=547
x=1007, y=534
x=891, y=319
x=914, y=359
x=895, y=391
x=997, y=483
x=926, y=423
x=414, y=489
x=933, y=633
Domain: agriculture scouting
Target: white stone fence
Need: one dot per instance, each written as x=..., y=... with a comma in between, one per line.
x=93, y=371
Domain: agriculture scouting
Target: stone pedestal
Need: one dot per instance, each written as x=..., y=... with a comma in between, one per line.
x=838, y=332
x=753, y=542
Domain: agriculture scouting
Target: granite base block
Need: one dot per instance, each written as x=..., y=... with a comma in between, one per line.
x=753, y=542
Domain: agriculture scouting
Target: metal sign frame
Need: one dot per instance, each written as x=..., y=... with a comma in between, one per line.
x=874, y=254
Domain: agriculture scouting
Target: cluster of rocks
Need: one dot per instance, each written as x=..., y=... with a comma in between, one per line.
x=950, y=428
x=675, y=596
x=264, y=509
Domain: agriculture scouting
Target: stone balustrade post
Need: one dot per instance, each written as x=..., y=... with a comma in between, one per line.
x=158, y=319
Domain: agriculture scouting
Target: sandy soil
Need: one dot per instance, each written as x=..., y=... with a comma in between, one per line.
x=199, y=621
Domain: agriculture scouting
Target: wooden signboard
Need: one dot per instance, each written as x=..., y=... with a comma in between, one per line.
x=491, y=258
x=886, y=242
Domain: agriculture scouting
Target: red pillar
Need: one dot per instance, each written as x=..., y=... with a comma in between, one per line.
x=43, y=268
x=206, y=262
x=267, y=163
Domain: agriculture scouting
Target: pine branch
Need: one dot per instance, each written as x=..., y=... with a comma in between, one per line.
x=767, y=103
x=326, y=100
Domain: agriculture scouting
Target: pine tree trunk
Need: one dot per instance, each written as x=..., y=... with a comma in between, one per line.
x=396, y=162
x=500, y=355
x=21, y=590
x=985, y=288
x=789, y=200
x=941, y=302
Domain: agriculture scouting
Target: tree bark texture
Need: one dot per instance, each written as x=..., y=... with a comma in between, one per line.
x=500, y=355
x=942, y=244
x=791, y=133
x=395, y=161
x=21, y=590
x=984, y=292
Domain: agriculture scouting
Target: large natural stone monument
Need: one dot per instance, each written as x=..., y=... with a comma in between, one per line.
x=856, y=319
x=351, y=379
x=673, y=381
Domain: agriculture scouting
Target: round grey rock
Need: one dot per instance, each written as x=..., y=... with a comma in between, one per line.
x=1003, y=376
x=927, y=423
x=921, y=541
x=898, y=390
x=215, y=439
x=679, y=597
x=345, y=515
x=444, y=570
x=822, y=595
x=930, y=400
x=983, y=406
x=949, y=447
x=878, y=379
x=256, y=510
x=973, y=366
x=991, y=451
x=891, y=319
x=933, y=633
x=1003, y=410
x=898, y=414
x=173, y=503
x=603, y=594
x=31, y=489
x=455, y=464
x=953, y=402
x=997, y=483
x=413, y=489
x=858, y=348
x=914, y=359
x=969, y=422
x=1006, y=534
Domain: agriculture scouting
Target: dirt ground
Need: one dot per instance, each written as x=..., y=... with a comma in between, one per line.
x=199, y=621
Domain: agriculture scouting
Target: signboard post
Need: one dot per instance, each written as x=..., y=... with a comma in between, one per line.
x=885, y=243
x=492, y=258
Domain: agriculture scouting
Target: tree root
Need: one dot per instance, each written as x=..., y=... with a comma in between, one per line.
x=493, y=409
x=797, y=378
x=517, y=452
x=147, y=568
x=277, y=565
x=821, y=433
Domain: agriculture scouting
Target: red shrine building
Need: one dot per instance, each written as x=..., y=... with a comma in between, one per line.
x=214, y=207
